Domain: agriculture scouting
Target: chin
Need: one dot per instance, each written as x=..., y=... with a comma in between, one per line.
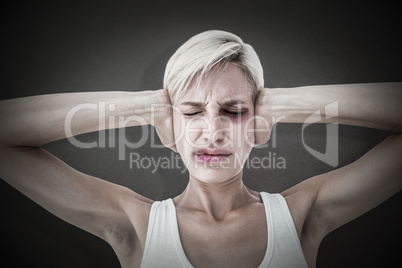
x=213, y=174
x=211, y=179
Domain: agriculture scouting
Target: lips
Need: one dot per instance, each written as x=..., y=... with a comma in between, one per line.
x=211, y=155
x=216, y=152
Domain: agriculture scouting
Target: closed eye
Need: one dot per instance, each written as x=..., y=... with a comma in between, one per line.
x=192, y=114
x=230, y=113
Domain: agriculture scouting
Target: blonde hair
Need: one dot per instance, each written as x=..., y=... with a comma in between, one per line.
x=204, y=52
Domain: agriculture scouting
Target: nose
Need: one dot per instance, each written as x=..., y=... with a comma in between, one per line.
x=217, y=130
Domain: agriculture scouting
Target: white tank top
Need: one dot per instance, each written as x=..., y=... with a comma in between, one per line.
x=163, y=247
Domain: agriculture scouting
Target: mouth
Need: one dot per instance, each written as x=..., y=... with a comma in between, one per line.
x=211, y=158
x=213, y=152
x=211, y=155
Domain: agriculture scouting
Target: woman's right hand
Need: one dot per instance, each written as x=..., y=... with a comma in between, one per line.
x=163, y=121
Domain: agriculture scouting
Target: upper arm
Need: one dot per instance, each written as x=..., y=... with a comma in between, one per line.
x=348, y=192
x=90, y=203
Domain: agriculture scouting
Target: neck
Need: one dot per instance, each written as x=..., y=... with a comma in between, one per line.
x=216, y=199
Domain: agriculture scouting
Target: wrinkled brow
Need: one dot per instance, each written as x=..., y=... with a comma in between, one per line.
x=200, y=104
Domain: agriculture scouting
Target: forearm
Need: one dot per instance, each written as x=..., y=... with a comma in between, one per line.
x=34, y=121
x=375, y=105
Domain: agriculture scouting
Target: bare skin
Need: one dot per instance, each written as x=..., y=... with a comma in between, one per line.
x=212, y=215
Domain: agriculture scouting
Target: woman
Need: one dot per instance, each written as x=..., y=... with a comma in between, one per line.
x=212, y=111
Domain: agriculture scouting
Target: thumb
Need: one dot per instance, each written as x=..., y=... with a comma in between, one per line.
x=167, y=137
x=262, y=126
x=262, y=130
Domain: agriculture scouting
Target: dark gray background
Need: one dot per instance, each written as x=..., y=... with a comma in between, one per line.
x=62, y=46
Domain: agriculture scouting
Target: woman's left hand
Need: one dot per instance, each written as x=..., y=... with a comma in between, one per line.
x=263, y=120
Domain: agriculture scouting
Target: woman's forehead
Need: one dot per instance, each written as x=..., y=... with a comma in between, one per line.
x=228, y=85
x=220, y=97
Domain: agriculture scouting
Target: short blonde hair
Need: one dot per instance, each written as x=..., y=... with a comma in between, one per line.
x=205, y=51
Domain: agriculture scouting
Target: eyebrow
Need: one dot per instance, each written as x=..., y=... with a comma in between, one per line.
x=199, y=104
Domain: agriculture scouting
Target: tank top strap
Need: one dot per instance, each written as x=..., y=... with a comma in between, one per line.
x=282, y=235
x=163, y=247
x=271, y=236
